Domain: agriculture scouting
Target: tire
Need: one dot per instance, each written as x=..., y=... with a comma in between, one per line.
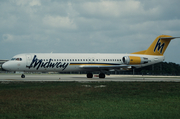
x=22, y=76
x=89, y=75
x=101, y=75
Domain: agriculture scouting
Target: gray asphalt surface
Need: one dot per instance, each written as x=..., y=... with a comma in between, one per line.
x=82, y=78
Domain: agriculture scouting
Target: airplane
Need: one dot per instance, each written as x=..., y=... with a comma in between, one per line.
x=69, y=62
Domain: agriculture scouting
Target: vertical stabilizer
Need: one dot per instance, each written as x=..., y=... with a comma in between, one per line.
x=158, y=47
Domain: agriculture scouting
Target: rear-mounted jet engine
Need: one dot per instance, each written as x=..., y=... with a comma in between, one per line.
x=133, y=60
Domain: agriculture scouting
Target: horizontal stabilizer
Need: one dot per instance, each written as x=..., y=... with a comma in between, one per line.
x=169, y=37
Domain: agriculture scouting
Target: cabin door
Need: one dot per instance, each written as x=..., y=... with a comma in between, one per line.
x=28, y=60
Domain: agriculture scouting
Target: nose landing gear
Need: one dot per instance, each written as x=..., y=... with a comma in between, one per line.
x=22, y=76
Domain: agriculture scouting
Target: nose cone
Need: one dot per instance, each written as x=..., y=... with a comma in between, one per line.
x=6, y=66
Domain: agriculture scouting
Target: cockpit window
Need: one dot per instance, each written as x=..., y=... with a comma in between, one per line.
x=13, y=59
x=17, y=59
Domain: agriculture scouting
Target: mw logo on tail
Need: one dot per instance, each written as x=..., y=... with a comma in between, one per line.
x=159, y=46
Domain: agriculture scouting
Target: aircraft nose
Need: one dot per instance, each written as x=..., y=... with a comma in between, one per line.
x=5, y=66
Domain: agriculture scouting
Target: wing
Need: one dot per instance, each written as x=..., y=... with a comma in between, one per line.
x=106, y=68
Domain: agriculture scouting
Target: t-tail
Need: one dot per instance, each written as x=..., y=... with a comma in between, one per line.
x=158, y=47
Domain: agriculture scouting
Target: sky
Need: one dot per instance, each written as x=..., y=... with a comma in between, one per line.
x=81, y=26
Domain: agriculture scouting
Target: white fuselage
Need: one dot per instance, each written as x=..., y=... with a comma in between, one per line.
x=67, y=62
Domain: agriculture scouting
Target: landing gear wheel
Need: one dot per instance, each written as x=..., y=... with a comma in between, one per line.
x=89, y=75
x=101, y=75
x=22, y=76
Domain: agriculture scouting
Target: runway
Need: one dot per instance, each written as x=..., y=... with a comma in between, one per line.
x=82, y=78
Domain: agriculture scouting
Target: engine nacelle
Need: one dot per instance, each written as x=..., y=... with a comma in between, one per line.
x=133, y=60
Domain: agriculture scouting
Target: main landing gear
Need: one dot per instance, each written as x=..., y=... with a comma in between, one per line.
x=101, y=75
x=22, y=76
x=89, y=75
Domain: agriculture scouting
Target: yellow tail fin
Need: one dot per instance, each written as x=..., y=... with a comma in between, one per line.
x=158, y=47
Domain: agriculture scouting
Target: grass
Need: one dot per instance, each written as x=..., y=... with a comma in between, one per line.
x=98, y=100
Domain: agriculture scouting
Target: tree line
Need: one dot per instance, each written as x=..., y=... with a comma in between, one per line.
x=162, y=68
